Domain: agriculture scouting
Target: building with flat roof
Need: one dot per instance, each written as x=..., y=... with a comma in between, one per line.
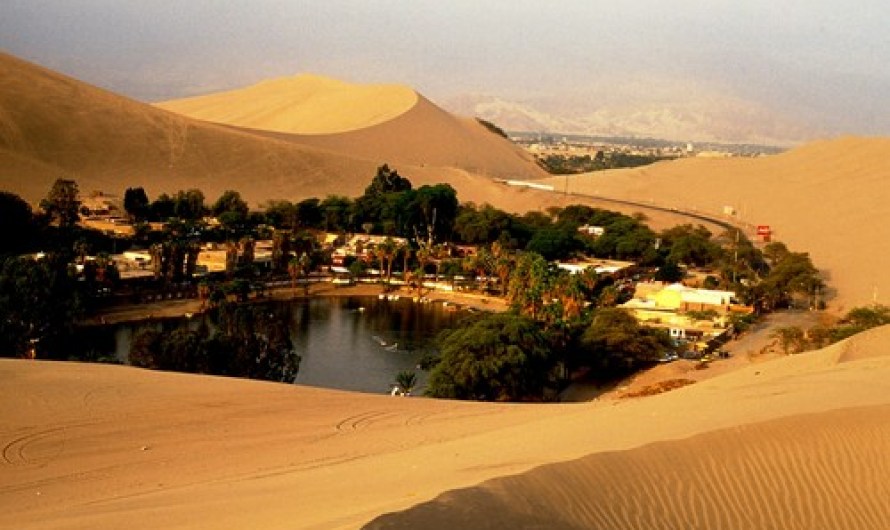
x=696, y=316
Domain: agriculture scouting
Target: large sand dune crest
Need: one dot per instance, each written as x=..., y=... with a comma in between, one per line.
x=104, y=447
x=55, y=126
x=427, y=135
x=387, y=122
x=303, y=104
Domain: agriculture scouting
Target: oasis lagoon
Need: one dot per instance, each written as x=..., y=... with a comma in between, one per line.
x=356, y=343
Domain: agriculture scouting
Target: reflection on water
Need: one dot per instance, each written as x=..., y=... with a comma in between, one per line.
x=348, y=343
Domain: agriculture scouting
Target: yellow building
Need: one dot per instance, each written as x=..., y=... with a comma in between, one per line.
x=679, y=309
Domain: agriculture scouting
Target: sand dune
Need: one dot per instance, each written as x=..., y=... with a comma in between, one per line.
x=827, y=198
x=826, y=470
x=427, y=135
x=303, y=104
x=793, y=443
x=368, y=121
x=52, y=126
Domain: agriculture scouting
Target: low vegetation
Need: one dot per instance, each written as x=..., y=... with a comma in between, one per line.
x=794, y=339
x=567, y=164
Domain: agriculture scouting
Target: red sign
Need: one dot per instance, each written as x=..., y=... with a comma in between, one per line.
x=763, y=230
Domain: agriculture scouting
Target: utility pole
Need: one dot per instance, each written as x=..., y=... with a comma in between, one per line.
x=735, y=252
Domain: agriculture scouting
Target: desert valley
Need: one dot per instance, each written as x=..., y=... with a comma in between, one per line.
x=767, y=439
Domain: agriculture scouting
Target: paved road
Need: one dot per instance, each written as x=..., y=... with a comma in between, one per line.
x=698, y=216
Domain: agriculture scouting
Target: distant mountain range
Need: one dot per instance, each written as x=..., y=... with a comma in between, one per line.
x=719, y=119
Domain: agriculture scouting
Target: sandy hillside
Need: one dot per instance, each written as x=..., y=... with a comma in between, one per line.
x=793, y=443
x=827, y=198
x=303, y=104
x=52, y=126
x=385, y=122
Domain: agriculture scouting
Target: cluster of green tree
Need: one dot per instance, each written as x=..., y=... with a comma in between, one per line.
x=389, y=205
x=512, y=357
x=20, y=228
x=565, y=164
x=40, y=301
x=575, y=320
x=188, y=208
x=793, y=339
x=791, y=280
x=431, y=214
x=517, y=250
x=54, y=229
x=42, y=298
x=246, y=341
x=555, y=234
x=558, y=322
x=768, y=279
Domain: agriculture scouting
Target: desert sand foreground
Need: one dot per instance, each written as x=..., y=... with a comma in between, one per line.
x=800, y=442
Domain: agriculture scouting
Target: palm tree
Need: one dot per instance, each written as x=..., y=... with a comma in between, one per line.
x=405, y=381
x=568, y=290
x=503, y=265
x=305, y=265
x=380, y=254
x=437, y=254
x=482, y=263
x=293, y=269
x=203, y=293
x=405, y=250
x=423, y=256
x=388, y=249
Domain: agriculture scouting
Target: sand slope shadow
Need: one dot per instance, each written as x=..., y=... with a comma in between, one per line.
x=826, y=470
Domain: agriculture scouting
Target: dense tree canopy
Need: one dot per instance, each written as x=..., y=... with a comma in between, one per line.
x=387, y=181
x=230, y=202
x=690, y=245
x=791, y=275
x=486, y=224
x=336, y=213
x=17, y=224
x=437, y=206
x=62, y=204
x=189, y=204
x=40, y=301
x=554, y=242
x=615, y=342
x=136, y=203
x=162, y=208
x=496, y=357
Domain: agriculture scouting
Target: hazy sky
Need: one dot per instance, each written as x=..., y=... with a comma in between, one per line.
x=829, y=60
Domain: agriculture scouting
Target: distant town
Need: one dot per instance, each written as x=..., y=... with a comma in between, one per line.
x=568, y=153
